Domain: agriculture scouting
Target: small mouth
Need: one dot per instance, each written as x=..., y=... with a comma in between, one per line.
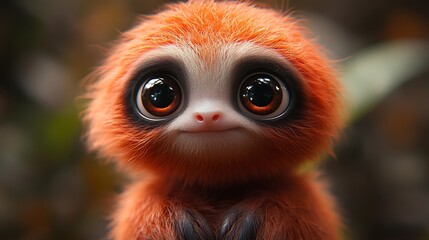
x=211, y=131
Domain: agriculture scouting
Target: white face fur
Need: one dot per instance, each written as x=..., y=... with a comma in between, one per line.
x=210, y=112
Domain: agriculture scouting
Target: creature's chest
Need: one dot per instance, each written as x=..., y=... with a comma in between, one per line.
x=226, y=213
x=214, y=204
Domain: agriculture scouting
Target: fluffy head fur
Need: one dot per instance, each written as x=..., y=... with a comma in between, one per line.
x=204, y=28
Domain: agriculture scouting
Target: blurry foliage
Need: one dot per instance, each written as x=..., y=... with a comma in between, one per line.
x=51, y=188
x=373, y=73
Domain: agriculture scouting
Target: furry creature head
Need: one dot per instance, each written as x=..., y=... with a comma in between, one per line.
x=213, y=92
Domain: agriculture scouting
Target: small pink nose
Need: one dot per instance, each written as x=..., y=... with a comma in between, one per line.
x=207, y=117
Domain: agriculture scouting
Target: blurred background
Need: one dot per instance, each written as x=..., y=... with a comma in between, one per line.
x=52, y=188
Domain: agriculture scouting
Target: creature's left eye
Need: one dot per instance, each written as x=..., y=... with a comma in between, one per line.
x=159, y=97
x=263, y=96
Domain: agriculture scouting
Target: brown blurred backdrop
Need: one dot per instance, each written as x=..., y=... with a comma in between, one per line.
x=51, y=188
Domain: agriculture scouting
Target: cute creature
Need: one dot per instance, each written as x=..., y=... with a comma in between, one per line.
x=213, y=107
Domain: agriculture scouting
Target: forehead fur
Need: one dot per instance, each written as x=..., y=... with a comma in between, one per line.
x=205, y=25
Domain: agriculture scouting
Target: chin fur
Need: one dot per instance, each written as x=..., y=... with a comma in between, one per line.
x=215, y=158
x=208, y=145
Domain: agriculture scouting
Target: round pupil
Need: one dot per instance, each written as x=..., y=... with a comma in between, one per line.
x=259, y=92
x=161, y=94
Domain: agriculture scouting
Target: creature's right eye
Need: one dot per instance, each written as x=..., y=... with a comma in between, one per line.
x=159, y=97
x=263, y=96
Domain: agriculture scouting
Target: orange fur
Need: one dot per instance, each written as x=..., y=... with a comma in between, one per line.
x=290, y=206
x=294, y=207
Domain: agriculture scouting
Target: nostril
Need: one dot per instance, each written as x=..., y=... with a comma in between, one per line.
x=215, y=117
x=199, y=118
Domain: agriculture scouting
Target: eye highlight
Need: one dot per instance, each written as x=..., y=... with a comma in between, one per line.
x=159, y=97
x=263, y=96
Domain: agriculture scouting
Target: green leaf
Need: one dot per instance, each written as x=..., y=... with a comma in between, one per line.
x=373, y=73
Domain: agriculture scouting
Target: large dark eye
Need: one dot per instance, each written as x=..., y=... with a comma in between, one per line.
x=263, y=96
x=158, y=97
